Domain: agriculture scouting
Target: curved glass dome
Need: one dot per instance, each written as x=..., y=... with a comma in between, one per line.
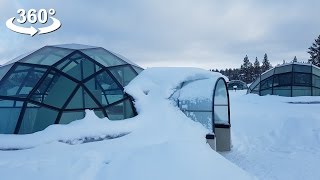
x=293, y=79
x=205, y=101
x=237, y=84
x=55, y=84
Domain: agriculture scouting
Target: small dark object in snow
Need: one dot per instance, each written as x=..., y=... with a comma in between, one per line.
x=311, y=102
x=92, y=139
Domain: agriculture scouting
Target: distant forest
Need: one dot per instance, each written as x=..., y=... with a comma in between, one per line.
x=249, y=71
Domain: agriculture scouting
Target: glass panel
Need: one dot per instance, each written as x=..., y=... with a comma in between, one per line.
x=36, y=119
x=103, y=57
x=104, y=85
x=265, y=84
x=68, y=117
x=257, y=88
x=120, y=111
x=283, y=69
x=45, y=86
x=302, y=79
x=315, y=91
x=282, y=91
x=88, y=68
x=124, y=74
x=21, y=81
x=265, y=92
x=8, y=120
x=61, y=65
x=73, y=69
x=99, y=113
x=267, y=74
x=6, y=103
x=254, y=84
x=221, y=93
x=89, y=102
x=282, y=79
x=46, y=56
x=301, y=91
x=316, y=71
x=58, y=92
x=196, y=105
x=205, y=118
x=315, y=81
x=77, y=100
x=4, y=70
x=221, y=115
x=128, y=109
x=137, y=69
x=302, y=68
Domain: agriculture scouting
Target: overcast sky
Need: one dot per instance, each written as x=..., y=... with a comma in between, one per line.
x=199, y=33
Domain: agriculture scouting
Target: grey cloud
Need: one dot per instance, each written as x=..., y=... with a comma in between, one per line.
x=206, y=33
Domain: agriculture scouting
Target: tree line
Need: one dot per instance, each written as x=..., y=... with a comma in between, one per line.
x=249, y=71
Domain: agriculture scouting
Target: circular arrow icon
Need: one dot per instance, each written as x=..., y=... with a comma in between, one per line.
x=22, y=30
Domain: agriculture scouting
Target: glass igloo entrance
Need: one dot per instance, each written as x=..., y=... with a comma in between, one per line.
x=55, y=84
x=207, y=101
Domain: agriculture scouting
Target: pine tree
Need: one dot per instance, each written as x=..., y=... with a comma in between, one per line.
x=246, y=70
x=265, y=64
x=256, y=68
x=295, y=59
x=314, y=52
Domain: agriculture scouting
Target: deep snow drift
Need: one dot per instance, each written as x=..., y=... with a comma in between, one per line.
x=160, y=143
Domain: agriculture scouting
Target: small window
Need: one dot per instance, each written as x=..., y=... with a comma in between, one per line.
x=302, y=79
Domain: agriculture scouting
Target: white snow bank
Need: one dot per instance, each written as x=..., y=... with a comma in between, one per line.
x=89, y=127
x=169, y=79
x=162, y=144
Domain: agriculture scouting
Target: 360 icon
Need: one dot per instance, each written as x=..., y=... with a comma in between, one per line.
x=33, y=16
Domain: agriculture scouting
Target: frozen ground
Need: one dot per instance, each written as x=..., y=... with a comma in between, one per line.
x=160, y=143
x=274, y=139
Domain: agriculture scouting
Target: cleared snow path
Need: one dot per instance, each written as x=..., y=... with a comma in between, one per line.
x=274, y=139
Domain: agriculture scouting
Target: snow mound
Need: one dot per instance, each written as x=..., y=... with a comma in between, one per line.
x=162, y=142
x=91, y=127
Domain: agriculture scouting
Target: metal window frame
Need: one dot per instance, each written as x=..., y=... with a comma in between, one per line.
x=52, y=69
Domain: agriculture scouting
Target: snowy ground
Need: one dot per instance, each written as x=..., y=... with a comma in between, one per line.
x=274, y=139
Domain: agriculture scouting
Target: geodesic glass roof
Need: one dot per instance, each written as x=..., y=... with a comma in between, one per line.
x=292, y=79
x=55, y=84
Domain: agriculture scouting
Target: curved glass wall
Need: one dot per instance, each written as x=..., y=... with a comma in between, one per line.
x=237, y=84
x=292, y=79
x=55, y=84
x=208, y=104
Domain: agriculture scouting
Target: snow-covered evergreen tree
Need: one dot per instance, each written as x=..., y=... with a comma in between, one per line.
x=246, y=70
x=295, y=59
x=314, y=52
x=256, y=68
x=265, y=64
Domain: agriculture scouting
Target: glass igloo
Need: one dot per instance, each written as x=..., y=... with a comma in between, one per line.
x=237, y=85
x=55, y=84
x=207, y=101
x=292, y=79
